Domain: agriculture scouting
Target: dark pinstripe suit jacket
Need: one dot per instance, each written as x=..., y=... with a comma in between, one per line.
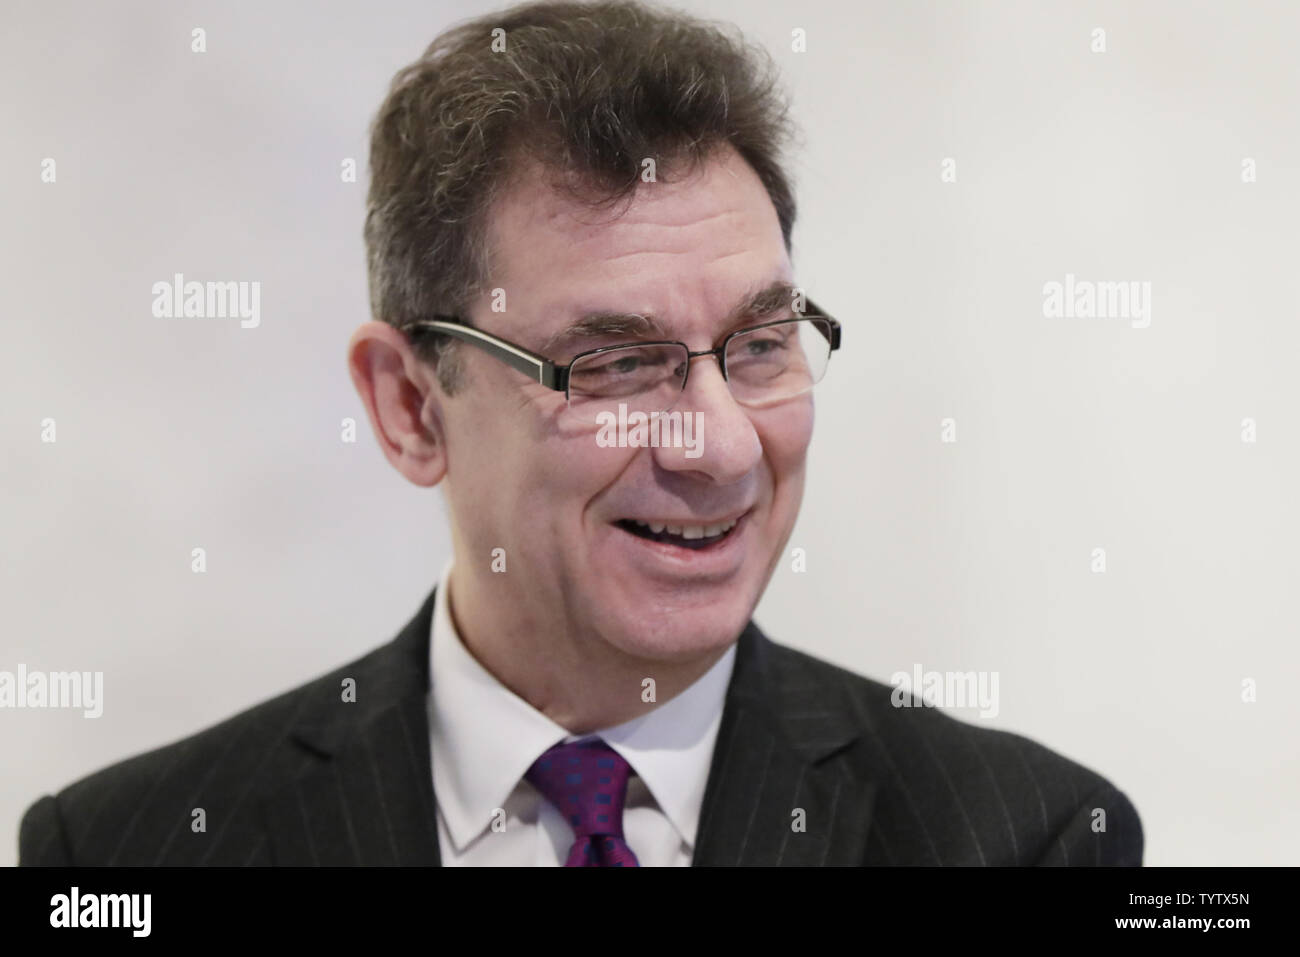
x=307, y=779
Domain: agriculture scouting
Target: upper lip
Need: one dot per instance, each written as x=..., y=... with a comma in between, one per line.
x=693, y=520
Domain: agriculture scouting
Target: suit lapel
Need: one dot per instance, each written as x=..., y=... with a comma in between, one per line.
x=363, y=791
x=780, y=789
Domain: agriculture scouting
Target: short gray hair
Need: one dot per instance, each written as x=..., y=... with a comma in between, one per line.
x=588, y=90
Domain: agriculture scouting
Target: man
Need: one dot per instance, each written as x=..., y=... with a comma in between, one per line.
x=589, y=334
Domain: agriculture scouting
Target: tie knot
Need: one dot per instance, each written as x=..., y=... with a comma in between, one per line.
x=587, y=783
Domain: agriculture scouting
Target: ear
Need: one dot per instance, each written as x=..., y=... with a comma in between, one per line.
x=403, y=400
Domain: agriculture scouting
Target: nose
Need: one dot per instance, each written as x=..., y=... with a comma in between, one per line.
x=721, y=444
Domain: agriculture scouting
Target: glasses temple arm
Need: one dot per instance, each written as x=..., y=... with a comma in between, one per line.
x=536, y=367
x=831, y=331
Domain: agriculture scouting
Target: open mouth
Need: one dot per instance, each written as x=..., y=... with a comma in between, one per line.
x=683, y=536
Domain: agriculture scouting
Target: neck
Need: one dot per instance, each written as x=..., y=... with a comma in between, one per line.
x=579, y=681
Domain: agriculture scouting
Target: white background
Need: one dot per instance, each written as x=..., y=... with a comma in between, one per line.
x=1072, y=434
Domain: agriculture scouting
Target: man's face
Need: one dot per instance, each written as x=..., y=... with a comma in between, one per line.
x=523, y=475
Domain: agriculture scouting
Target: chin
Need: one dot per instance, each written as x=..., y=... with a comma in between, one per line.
x=676, y=635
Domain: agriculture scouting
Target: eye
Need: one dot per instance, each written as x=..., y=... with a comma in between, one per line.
x=763, y=342
x=756, y=346
x=621, y=365
x=625, y=364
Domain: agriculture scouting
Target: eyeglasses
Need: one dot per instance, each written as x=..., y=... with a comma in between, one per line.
x=763, y=364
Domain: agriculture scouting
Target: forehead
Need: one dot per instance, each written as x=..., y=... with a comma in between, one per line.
x=689, y=246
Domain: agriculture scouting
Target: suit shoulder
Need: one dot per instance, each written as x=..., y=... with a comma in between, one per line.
x=215, y=768
x=960, y=792
x=884, y=711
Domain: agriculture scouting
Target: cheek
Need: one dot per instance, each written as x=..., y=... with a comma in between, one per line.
x=553, y=481
x=496, y=472
x=786, y=433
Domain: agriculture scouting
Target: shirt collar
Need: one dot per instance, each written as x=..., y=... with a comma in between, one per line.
x=485, y=737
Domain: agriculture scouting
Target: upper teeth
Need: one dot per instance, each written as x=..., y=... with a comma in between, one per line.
x=688, y=531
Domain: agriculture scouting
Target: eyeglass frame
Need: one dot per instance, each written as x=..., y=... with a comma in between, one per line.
x=555, y=376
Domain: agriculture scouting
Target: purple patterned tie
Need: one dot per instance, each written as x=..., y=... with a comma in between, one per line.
x=587, y=783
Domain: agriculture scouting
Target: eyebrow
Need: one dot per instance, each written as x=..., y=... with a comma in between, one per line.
x=759, y=303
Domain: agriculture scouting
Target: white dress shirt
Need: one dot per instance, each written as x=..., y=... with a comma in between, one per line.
x=484, y=738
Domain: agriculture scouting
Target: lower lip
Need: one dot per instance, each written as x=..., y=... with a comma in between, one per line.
x=665, y=560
